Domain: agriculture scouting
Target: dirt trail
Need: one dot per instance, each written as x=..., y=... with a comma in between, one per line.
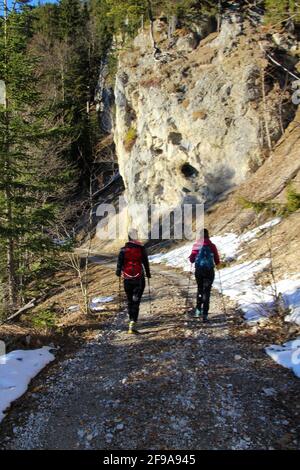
x=178, y=385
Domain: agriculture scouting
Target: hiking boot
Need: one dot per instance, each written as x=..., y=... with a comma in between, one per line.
x=198, y=313
x=132, y=328
x=205, y=320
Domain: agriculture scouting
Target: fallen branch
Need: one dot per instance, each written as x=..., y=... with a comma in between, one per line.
x=21, y=310
x=277, y=63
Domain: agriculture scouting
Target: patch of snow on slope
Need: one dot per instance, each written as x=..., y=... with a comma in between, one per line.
x=177, y=258
x=290, y=289
x=255, y=301
x=238, y=283
x=96, y=303
x=227, y=244
x=17, y=368
x=287, y=355
x=252, y=234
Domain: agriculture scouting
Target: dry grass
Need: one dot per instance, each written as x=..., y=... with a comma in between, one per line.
x=186, y=103
x=204, y=55
x=201, y=114
x=130, y=58
x=71, y=328
x=181, y=32
x=208, y=39
x=151, y=82
x=130, y=139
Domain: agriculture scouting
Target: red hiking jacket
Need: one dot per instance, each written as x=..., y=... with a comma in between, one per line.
x=206, y=242
x=133, y=253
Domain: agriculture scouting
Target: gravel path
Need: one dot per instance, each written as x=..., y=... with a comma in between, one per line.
x=178, y=385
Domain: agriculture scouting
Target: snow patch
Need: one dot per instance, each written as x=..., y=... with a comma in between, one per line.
x=238, y=283
x=228, y=245
x=96, y=303
x=290, y=289
x=252, y=234
x=287, y=355
x=73, y=308
x=257, y=302
x=17, y=368
x=177, y=258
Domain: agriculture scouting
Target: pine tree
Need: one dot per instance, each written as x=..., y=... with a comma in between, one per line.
x=25, y=207
x=127, y=15
x=70, y=19
x=279, y=11
x=71, y=57
x=16, y=73
x=46, y=20
x=101, y=28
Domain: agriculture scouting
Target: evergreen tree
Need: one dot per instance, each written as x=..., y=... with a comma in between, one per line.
x=70, y=19
x=278, y=11
x=25, y=207
x=128, y=15
x=46, y=20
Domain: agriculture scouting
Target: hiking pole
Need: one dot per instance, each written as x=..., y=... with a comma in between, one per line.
x=222, y=294
x=188, y=289
x=149, y=290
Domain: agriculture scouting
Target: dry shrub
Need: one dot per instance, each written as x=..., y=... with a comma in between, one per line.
x=130, y=138
x=181, y=32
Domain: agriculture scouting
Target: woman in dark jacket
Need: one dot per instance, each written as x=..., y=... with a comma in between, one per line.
x=204, y=272
x=132, y=264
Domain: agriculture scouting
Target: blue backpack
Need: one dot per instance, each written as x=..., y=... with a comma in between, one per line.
x=205, y=258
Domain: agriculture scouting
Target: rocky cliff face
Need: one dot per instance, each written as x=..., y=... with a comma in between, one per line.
x=193, y=119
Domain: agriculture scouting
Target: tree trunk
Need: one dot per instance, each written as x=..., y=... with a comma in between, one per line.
x=12, y=298
x=172, y=26
x=151, y=19
x=219, y=16
x=265, y=111
x=62, y=78
x=10, y=258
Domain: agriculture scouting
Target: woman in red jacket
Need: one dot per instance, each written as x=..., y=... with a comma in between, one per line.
x=133, y=264
x=205, y=256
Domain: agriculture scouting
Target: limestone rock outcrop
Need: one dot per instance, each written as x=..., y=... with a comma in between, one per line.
x=192, y=122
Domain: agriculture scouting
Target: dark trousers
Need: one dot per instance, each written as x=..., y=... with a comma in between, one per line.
x=134, y=289
x=205, y=279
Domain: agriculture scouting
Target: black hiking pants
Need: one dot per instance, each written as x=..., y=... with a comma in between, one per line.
x=205, y=279
x=134, y=289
